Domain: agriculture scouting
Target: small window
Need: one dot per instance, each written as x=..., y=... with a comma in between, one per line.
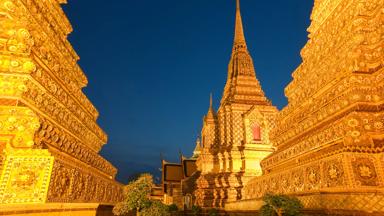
x=256, y=131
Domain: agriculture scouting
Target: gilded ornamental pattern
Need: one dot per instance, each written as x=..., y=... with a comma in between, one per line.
x=43, y=111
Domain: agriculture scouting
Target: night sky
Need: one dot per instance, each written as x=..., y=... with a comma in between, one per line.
x=151, y=65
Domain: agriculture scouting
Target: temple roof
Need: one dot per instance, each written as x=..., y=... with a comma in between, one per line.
x=172, y=172
x=189, y=166
x=175, y=172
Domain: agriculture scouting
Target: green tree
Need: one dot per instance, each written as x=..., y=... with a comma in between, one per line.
x=136, y=196
x=280, y=205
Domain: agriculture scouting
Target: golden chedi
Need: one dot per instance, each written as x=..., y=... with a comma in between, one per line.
x=235, y=138
x=49, y=138
x=330, y=136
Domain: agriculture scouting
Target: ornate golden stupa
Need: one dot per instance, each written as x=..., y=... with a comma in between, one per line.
x=235, y=139
x=330, y=136
x=49, y=138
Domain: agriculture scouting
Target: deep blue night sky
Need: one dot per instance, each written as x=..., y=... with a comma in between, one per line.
x=152, y=64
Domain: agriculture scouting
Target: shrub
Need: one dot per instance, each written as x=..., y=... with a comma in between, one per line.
x=173, y=208
x=196, y=210
x=280, y=205
x=156, y=208
x=213, y=212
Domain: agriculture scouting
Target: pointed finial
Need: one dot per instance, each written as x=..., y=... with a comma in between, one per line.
x=210, y=100
x=211, y=111
x=239, y=32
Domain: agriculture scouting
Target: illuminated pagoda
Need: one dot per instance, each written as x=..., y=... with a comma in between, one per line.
x=236, y=137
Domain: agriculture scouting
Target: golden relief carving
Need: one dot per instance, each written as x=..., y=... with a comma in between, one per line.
x=321, y=10
x=70, y=184
x=49, y=134
x=313, y=177
x=58, y=112
x=45, y=115
x=341, y=99
x=44, y=48
x=18, y=126
x=365, y=172
x=334, y=173
x=25, y=177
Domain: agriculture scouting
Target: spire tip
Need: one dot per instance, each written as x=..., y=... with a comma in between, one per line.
x=210, y=100
x=239, y=32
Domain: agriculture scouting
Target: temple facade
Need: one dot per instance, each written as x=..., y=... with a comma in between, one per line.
x=49, y=138
x=236, y=137
x=330, y=136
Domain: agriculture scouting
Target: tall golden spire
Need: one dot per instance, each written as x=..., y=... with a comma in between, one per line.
x=242, y=85
x=239, y=39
